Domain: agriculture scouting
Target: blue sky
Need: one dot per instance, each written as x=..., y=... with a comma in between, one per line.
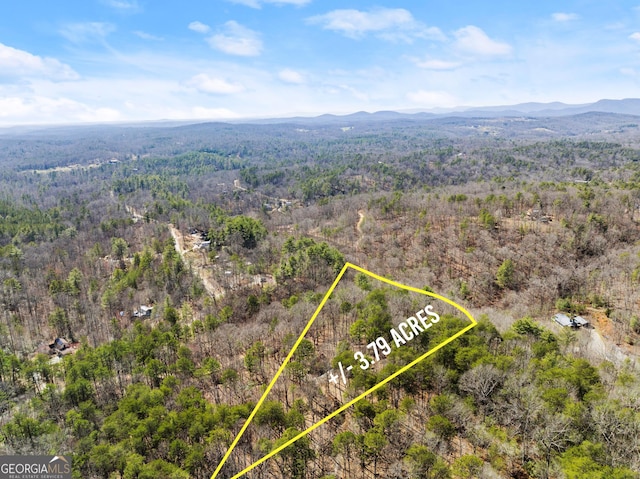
x=121, y=60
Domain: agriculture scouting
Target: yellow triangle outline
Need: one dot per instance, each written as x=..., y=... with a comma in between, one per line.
x=353, y=401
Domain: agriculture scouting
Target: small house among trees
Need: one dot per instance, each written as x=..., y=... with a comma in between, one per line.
x=574, y=322
x=143, y=311
x=203, y=245
x=59, y=347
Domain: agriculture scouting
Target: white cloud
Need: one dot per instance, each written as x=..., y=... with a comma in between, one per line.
x=474, y=40
x=147, y=36
x=39, y=109
x=199, y=27
x=291, y=76
x=248, y=3
x=208, y=84
x=258, y=3
x=564, y=17
x=19, y=63
x=87, y=32
x=123, y=5
x=355, y=23
x=236, y=39
x=432, y=99
x=635, y=36
x=388, y=23
x=437, y=64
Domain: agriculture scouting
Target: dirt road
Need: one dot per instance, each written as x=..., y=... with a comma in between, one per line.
x=360, y=221
x=205, y=275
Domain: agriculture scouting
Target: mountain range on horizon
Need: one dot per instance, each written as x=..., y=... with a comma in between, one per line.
x=556, y=109
x=627, y=106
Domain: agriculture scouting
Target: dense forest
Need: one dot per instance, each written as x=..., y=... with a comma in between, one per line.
x=154, y=279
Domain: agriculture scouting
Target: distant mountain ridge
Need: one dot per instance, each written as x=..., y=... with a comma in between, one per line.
x=627, y=106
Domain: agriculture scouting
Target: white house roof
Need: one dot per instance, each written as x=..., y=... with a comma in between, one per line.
x=562, y=319
x=580, y=321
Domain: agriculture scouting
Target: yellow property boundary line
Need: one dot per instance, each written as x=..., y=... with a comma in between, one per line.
x=353, y=401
